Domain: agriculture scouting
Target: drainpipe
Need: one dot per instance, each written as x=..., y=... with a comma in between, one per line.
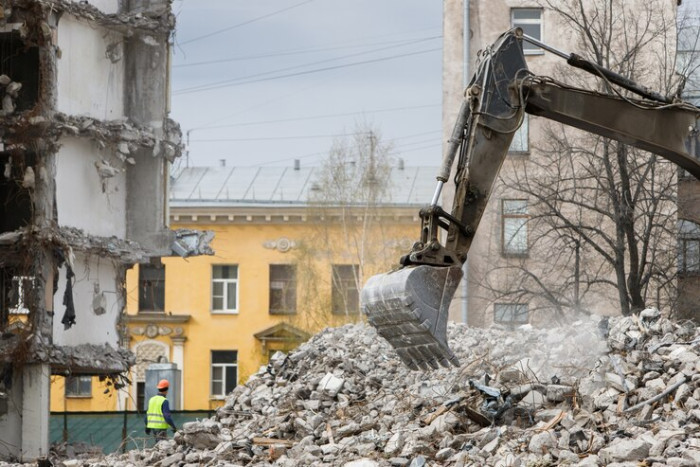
x=465, y=82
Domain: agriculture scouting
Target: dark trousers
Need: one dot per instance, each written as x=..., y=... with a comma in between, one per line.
x=159, y=434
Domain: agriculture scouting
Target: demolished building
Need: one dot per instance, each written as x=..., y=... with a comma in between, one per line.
x=85, y=148
x=622, y=392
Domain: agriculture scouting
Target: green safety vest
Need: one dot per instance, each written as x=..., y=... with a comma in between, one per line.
x=156, y=420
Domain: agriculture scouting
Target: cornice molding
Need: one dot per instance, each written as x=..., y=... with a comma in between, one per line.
x=286, y=215
x=160, y=318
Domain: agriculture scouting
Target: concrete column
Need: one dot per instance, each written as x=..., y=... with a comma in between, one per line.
x=11, y=420
x=179, y=360
x=35, y=411
x=146, y=88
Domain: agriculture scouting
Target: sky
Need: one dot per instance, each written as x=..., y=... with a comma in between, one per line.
x=265, y=82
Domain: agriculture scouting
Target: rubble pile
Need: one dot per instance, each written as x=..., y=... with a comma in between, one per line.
x=621, y=394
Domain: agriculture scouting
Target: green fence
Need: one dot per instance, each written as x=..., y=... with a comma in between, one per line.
x=111, y=431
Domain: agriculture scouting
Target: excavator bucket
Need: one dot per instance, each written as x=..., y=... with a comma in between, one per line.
x=409, y=307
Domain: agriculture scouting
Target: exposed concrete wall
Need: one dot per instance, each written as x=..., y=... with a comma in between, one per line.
x=24, y=428
x=73, y=119
x=89, y=83
x=147, y=62
x=81, y=190
x=96, y=312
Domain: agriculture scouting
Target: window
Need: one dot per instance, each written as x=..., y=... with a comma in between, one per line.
x=510, y=313
x=224, y=372
x=141, y=395
x=78, y=386
x=688, y=247
x=224, y=297
x=151, y=287
x=283, y=289
x=530, y=21
x=345, y=296
x=514, y=227
x=521, y=143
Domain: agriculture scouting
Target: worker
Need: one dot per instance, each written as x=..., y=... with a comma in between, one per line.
x=158, y=416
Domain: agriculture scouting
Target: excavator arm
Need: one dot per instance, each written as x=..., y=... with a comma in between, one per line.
x=409, y=306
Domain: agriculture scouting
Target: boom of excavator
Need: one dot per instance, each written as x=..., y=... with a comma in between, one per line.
x=409, y=306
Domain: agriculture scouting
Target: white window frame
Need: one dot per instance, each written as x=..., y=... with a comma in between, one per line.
x=225, y=282
x=529, y=49
x=518, y=217
x=222, y=381
x=512, y=310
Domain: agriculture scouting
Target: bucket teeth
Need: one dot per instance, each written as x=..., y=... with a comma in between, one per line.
x=409, y=308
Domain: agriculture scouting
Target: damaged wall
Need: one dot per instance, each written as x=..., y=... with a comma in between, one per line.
x=90, y=83
x=87, y=182
x=98, y=302
x=85, y=146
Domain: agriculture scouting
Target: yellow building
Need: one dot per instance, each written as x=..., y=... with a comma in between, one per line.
x=287, y=263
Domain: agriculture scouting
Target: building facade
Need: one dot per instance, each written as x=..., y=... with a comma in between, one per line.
x=508, y=274
x=289, y=261
x=85, y=147
x=689, y=187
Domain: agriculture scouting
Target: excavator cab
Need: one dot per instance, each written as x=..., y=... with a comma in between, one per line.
x=409, y=306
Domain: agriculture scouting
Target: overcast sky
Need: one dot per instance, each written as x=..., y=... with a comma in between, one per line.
x=270, y=81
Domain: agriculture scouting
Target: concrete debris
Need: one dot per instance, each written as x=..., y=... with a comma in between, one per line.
x=124, y=136
x=100, y=360
x=10, y=91
x=156, y=19
x=527, y=397
x=192, y=242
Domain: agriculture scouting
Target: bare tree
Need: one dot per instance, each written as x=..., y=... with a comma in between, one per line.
x=345, y=203
x=602, y=214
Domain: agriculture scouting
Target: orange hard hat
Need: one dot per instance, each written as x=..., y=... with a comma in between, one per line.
x=163, y=384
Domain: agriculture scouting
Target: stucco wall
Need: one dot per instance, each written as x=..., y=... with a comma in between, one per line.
x=103, y=397
x=79, y=190
x=188, y=291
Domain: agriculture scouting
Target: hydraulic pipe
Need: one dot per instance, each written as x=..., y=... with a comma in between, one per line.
x=595, y=69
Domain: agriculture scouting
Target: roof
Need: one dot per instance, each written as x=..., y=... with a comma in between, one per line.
x=282, y=332
x=275, y=186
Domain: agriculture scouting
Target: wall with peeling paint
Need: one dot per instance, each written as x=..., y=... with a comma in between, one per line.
x=79, y=190
x=89, y=83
